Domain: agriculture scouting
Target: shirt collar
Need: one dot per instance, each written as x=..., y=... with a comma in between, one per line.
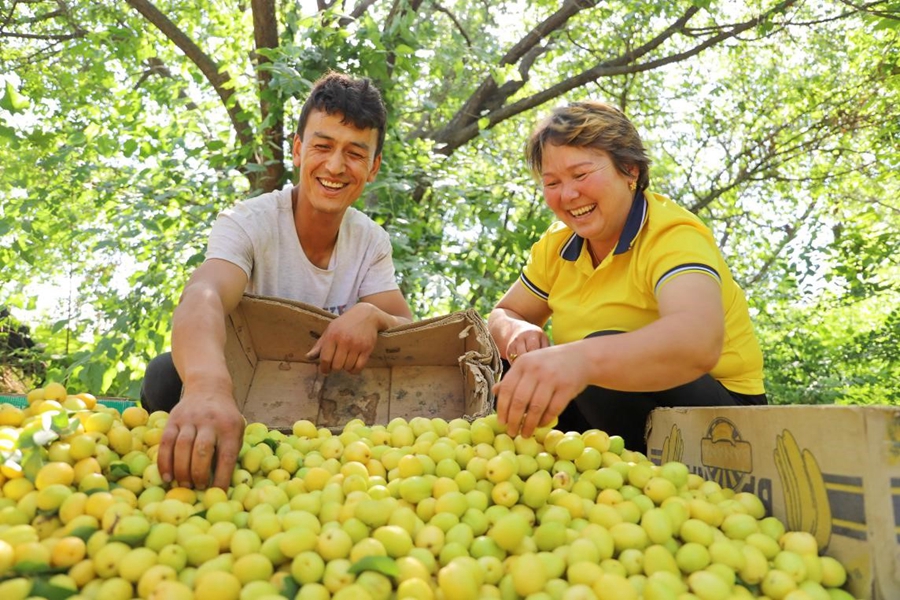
x=637, y=216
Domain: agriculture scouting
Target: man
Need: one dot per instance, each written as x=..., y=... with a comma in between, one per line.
x=303, y=242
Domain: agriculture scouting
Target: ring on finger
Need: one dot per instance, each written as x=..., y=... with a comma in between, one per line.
x=513, y=356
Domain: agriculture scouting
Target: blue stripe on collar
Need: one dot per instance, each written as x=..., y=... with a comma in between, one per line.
x=572, y=248
x=637, y=215
x=636, y=218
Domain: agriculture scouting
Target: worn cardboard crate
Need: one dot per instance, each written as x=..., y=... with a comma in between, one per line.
x=831, y=470
x=440, y=367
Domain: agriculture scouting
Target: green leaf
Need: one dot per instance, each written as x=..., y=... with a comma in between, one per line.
x=84, y=532
x=118, y=470
x=77, y=139
x=32, y=463
x=12, y=100
x=289, y=587
x=382, y=564
x=45, y=589
x=133, y=540
x=34, y=568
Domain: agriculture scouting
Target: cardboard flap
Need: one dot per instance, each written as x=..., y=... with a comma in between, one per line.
x=439, y=367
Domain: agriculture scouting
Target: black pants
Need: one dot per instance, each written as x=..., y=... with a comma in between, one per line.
x=161, y=387
x=625, y=413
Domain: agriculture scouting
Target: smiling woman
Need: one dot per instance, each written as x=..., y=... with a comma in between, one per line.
x=645, y=311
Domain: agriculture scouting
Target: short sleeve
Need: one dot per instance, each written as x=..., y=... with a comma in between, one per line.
x=538, y=274
x=229, y=241
x=380, y=275
x=684, y=247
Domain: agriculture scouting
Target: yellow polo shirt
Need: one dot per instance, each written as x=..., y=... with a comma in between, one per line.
x=660, y=241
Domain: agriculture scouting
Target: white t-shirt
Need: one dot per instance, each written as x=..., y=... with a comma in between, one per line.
x=258, y=235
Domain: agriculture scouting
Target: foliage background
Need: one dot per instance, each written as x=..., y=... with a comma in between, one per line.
x=125, y=129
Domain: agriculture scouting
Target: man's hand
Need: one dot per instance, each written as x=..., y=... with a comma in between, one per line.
x=200, y=428
x=538, y=386
x=348, y=341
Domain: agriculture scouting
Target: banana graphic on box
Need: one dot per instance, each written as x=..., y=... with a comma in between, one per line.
x=673, y=446
x=805, y=498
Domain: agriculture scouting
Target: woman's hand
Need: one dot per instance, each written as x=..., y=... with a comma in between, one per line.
x=538, y=386
x=527, y=337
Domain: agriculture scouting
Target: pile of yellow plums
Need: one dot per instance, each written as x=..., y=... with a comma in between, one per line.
x=419, y=508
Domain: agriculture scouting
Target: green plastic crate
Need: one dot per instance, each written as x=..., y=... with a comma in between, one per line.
x=117, y=403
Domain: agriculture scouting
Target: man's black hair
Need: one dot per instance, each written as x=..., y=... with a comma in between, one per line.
x=356, y=99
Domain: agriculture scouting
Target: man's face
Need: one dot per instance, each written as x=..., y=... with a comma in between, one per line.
x=336, y=160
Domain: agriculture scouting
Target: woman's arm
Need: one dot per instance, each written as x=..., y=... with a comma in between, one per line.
x=682, y=345
x=516, y=323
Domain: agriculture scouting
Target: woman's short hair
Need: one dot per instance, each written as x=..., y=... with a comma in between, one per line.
x=591, y=124
x=356, y=99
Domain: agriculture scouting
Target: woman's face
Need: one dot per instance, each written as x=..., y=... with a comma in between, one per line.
x=585, y=191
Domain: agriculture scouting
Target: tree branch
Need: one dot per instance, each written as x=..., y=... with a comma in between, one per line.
x=791, y=233
x=361, y=8
x=472, y=109
x=440, y=8
x=219, y=80
x=39, y=36
x=454, y=137
x=271, y=154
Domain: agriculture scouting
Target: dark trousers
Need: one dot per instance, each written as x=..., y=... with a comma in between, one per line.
x=625, y=413
x=161, y=387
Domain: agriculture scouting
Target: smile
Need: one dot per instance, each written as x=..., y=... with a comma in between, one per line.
x=332, y=185
x=578, y=212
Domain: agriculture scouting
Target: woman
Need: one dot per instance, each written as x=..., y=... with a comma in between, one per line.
x=645, y=311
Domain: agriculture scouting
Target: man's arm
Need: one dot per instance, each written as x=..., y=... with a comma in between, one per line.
x=348, y=341
x=206, y=422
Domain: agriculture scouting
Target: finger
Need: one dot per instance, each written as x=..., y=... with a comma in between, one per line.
x=360, y=363
x=340, y=359
x=201, y=461
x=556, y=407
x=557, y=404
x=545, y=341
x=166, y=452
x=534, y=411
x=326, y=356
x=520, y=400
x=501, y=392
x=184, y=444
x=313, y=353
x=226, y=457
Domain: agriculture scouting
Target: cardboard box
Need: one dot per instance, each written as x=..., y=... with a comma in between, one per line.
x=831, y=470
x=440, y=367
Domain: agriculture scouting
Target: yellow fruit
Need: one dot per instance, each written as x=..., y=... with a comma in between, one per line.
x=47, y=406
x=11, y=415
x=55, y=473
x=35, y=395
x=100, y=422
x=16, y=489
x=81, y=446
x=67, y=552
x=89, y=400
x=217, y=585
x=55, y=391
x=135, y=416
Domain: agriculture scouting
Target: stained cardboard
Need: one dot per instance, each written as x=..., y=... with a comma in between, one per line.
x=439, y=367
x=831, y=470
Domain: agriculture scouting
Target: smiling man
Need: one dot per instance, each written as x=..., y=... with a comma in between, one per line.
x=303, y=242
